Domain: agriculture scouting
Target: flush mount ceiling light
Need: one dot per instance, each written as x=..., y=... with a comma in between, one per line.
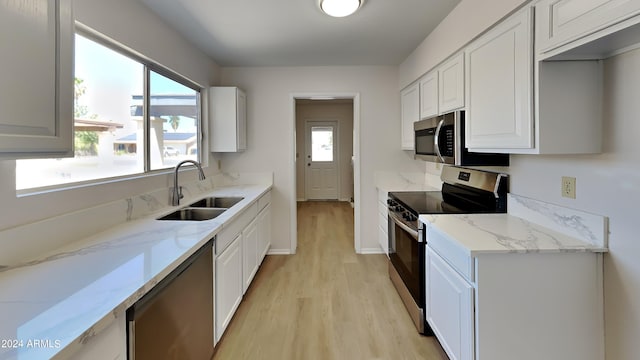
x=340, y=8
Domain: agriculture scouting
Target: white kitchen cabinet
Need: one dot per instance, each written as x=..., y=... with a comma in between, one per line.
x=449, y=308
x=36, y=68
x=499, y=74
x=560, y=22
x=250, y=250
x=228, y=285
x=409, y=113
x=429, y=95
x=227, y=119
x=383, y=221
x=110, y=343
x=451, y=84
x=264, y=232
x=505, y=306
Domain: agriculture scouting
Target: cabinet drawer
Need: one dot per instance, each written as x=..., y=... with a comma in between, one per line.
x=453, y=254
x=231, y=230
x=264, y=200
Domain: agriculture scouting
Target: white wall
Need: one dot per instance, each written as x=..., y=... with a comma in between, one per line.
x=135, y=26
x=270, y=139
x=607, y=184
x=321, y=110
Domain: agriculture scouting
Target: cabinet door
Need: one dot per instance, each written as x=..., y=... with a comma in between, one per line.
x=249, y=254
x=451, y=84
x=562, y=21
x=264, y=232
x=241, y=103
x=227, y=119
x=410, y=113
x=228, y=285
x=429, y=95
x=499, y=87
x=36, y=68
x=449, y=308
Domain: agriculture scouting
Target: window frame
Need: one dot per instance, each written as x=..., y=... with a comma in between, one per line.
x=149, y=65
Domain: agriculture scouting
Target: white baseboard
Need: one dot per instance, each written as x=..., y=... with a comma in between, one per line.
x=279, y=252
x=369, y=251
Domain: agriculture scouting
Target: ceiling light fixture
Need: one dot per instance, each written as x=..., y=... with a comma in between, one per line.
x=340, y=8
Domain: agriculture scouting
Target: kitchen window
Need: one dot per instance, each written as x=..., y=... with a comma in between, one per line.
x=131, y=117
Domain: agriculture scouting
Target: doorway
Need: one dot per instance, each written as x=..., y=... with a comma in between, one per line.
x=325, y=163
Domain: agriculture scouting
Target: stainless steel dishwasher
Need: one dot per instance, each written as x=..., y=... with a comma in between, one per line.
x=175, y=319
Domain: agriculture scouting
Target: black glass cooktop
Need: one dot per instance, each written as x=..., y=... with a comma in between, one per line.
x=437, y=202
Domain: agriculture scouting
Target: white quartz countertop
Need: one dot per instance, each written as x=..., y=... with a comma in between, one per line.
x=71, y=294
x=503, y=233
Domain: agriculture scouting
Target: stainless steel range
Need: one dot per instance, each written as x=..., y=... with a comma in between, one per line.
x=464, y=191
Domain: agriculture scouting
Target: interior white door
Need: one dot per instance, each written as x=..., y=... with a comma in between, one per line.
x=321, y=168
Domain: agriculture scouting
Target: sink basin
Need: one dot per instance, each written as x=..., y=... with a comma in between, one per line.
x=194, y=214
x=216, y=202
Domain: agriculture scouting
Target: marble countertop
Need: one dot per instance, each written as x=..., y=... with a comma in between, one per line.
x=67, y=296
x=503, y=233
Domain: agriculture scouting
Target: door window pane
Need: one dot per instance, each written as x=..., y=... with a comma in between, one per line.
x=174, y=112
x=321, y=143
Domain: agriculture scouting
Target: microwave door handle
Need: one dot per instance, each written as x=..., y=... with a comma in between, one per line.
x=436, y=143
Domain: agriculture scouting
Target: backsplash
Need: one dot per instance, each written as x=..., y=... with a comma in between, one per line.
x=26, y=242
x=587, y=227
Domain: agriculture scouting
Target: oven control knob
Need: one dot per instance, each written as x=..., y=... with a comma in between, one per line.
x=391, y=202
x=398, y=208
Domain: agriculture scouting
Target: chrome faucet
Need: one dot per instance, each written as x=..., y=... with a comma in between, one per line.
x=176, y=194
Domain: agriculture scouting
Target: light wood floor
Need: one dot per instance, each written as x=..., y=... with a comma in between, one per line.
x=325, y=302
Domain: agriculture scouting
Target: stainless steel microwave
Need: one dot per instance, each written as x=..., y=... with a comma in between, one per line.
x=441, y=139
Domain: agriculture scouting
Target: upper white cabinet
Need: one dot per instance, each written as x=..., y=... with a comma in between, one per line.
x=499, y=86
x=429, y=95
x=227, y=119
x=442, y=89
x=565, y=21
x=36, y=68
x=409, y=113
x=451, y=84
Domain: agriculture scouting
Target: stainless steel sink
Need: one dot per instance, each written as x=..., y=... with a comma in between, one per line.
x=194, y=214
x=217, y=202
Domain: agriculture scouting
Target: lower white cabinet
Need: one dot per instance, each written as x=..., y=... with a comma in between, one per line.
x=505, y=306
x=250, y=250
x=264, y=232
x=449, y=307
x=240, y=248
x=383, y=221
x=228, y=285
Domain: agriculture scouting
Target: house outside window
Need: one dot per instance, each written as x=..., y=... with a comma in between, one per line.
x=131, y=117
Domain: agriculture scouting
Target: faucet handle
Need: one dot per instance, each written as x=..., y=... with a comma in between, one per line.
x=180, y=195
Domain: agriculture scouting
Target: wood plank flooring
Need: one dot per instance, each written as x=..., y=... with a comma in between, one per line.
x=326, y=302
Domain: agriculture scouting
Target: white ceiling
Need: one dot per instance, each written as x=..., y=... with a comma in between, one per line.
x=297, y=33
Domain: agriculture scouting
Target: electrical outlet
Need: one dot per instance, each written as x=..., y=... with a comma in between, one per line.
x=569, y=187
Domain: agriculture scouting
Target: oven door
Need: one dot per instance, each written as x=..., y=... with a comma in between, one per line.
x=407, y=256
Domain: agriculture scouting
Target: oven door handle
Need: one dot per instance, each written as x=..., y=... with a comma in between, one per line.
x=396, y=220
x=436, y=141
